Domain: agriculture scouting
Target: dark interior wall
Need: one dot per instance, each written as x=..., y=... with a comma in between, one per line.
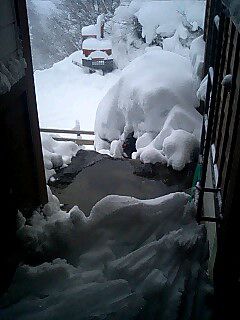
x=18, y=109
x=21, y=163
x=234, y=8
x=7, y=30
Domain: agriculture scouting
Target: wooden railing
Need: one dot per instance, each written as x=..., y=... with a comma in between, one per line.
x=78, y=139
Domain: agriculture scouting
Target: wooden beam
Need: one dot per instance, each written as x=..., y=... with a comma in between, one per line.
x=80, y=142
x=66, y=131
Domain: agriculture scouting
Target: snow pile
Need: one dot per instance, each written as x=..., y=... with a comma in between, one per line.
x=11, y=71
x=66, y=93
x=156, y=99
x=128, y=258
x=56, y=154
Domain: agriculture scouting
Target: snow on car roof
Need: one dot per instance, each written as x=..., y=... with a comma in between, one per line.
x=98, y=55
x=95, y=44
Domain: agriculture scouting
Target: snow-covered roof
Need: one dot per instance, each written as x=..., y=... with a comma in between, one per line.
x=164, y=16
x=98, y=55
x=95, y=44
x=89, y=30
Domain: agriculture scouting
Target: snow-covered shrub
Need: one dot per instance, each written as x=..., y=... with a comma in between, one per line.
x=126, y=40
x=155, y=96
x=170, y=24
x=165, y=17
x=113, y=264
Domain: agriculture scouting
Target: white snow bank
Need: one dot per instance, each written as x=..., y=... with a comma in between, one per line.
x=65, y=93
x=112, y=265
x=56, y=153
x=155, y=95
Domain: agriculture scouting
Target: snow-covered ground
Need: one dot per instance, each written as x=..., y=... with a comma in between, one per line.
x=128, y=258
x=66, y=93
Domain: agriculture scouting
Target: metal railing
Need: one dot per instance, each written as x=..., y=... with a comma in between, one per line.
x=78, y=139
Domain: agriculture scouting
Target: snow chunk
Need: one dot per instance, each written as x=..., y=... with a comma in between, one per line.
x=56, y=153
x=179, y=148
x=116, y=149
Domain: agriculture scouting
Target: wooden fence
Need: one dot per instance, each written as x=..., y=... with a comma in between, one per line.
x=77, y=139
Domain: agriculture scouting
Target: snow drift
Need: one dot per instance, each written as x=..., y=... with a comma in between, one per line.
x=155, y=98
x=128, y=258
x=66, y=93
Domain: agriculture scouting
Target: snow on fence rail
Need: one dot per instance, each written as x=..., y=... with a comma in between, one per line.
x=78, y=140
